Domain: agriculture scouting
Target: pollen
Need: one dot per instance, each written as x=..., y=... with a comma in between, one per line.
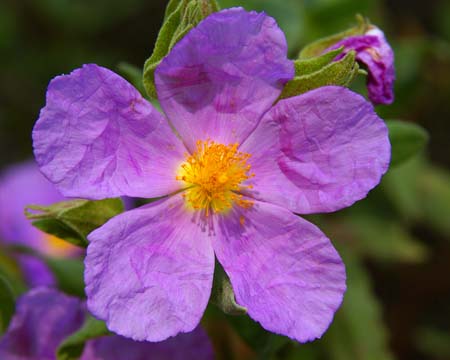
x=215, y=175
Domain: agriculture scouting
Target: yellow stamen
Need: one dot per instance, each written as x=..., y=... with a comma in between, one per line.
x=213, y=176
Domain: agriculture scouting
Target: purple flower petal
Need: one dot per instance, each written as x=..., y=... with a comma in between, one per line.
x=97, y=138
x=44, y=317
x=334, y=150
x=35, y=271
x=283, y=269
x=191, y=346
x=21, y=185
x=223, y=75
x=149, y=271
x=373, y=50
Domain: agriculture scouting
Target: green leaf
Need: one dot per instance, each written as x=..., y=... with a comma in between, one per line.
x=383, y=239
x=340, y=72
x=73, y=220
x=181, y=16
x=72, y=347
x=401, y=188
x=68, y=274
x=7, y=304
x=318, y=47
x=434, y=190
x=420, y=192
x=222, y=294
x=357, y=331
x=171, y=7
x=407, y=139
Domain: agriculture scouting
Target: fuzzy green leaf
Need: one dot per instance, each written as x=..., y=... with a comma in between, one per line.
x=340, y=73
x=318, y=47
x=181, y=16
x=72, y=347
x=407, y=139
x=73, y=220
x=7, y=304
x=171, y=7
x=223, y=295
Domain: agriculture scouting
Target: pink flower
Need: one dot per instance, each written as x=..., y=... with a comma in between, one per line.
x=233, y=173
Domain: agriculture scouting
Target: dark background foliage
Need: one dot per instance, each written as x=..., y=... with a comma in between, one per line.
x=396, y=243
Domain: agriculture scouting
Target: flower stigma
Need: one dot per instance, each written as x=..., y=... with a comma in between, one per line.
x=214, y=174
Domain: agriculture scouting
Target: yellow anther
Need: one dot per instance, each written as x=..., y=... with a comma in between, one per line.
x=214, y=176
x=223, y=178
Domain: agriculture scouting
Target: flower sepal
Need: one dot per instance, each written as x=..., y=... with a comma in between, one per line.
x=222, y=294
x=318, y=47
x=73, y=220
x=316, y=72
x=316, y=63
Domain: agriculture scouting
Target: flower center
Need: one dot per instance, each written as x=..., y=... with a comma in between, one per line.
x=214, y=174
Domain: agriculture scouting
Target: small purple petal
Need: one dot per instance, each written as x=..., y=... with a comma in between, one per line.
x=44, y=317
x=191, y=346
x=318, y=152
x=35, y=271
x=283, y=269
x=149, y=271
x=373, y=50
x=223, y=75
x=98, y=138
x=22, y=185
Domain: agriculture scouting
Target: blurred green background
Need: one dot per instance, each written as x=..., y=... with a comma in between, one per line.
x=395, y=243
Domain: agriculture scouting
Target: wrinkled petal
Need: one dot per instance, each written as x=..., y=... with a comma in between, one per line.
x=223, y=75
x=318, y=152
x=22, y=185
x=373, y=50
x=191, y=346
x=98, y=138
x=283, y=269
x=149, y=271
x=43, y=318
